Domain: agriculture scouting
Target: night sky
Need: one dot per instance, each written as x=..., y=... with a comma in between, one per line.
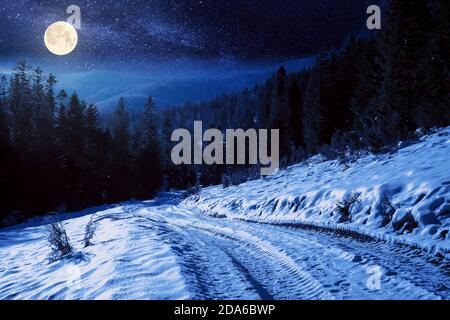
x=172, y=34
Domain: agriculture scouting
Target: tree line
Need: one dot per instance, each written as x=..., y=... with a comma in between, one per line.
x=373, y=92
x=57, y=154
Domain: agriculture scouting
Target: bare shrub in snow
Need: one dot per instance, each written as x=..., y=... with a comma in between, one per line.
x=389, y=206
x=388, y=209
x=345, y=147
x=59, y=241
x=89, y=233
x=343, y=206
x=443, y=235
x=193, y=191
x=403, y=221
x=327, y=153
x=225, y=181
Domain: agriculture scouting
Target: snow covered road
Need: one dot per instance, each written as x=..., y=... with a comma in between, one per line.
x=163, y=249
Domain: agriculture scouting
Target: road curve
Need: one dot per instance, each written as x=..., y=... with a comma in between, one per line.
x=162, y=249
x=230, y=259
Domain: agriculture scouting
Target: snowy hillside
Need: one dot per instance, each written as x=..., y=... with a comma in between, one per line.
x=162, y=249
x=170, y=248
x=402, y=196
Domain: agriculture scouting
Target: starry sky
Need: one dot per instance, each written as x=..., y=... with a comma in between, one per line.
x=169, y=37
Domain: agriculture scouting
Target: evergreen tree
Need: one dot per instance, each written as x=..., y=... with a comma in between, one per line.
x=75, y=127
x=296, y=114
x=72, y=152
x=149, y=159
x=5, y=153
x=280, y=113
x=95, y=155
x=434, y=110
x=345, y=82
x=61, y=121
x=50, y=100
x=404, y=54
x=46, y=163
x=317, y=108
x=22, y=136
x=21, y=108
x=122, y=183
x=166, y=142
x=38, y=93
x=121, y=126
x=363, y=100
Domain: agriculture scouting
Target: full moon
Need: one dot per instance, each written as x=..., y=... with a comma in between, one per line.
x=61, y=38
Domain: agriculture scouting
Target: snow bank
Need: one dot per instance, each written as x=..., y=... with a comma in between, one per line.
x=403, y=196
x=126, y=261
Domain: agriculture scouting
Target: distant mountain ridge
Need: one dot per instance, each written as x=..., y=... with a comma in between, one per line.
x=104, y=88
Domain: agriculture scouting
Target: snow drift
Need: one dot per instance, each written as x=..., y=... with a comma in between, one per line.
x=403, y=196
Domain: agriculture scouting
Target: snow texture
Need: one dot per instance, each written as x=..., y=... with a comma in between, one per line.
x=403, y=196
x=170, y=248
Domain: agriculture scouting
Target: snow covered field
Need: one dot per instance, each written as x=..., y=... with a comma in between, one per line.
x=170, y=248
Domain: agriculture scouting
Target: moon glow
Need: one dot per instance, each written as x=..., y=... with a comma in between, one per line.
x=61, y=38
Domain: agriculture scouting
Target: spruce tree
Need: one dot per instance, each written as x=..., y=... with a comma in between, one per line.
x=72, y=153
x=280, y=113
x=95, y=156
x=404, y=54
x=22, y=136
x=46, y=161
x=122, y=182
x=317, y=112
x=6, y=167
x=149, y=160
x=363, y=100
x=434, y=110
x=296, y=114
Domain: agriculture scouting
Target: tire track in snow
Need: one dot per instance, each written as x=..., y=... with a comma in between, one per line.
x=341, y=264
x=282, y=277
x=206, y=270
x=259, y=288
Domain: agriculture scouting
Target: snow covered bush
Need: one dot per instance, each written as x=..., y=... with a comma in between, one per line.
x=343, y=206
x=225, y=181
x=59, y=241
x=193, y=191
x=89, y=233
